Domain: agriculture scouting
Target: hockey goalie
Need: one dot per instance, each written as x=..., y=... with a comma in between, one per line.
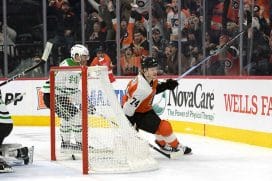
x=11, y=154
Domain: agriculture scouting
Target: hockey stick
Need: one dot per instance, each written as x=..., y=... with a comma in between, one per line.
x=211, y=55
x=149, y=144
x=44, y=58
x=159, y=151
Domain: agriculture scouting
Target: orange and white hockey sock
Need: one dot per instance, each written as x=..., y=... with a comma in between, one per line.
x=165, y=134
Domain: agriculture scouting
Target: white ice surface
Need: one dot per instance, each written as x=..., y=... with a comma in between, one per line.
x=212, y=160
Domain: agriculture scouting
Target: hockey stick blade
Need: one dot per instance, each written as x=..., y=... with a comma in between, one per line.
x=47, y=50
x=44, y=58
x=211, y=55
x=159, y=151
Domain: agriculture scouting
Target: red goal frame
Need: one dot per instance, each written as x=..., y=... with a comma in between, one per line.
x=84, y=73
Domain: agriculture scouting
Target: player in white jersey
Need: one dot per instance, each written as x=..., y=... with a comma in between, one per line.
x=137, y=105
x=68, y=124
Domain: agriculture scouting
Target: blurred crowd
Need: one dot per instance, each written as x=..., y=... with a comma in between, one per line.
x=172, y=33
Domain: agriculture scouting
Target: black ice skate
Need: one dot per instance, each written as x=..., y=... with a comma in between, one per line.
x=175, y=152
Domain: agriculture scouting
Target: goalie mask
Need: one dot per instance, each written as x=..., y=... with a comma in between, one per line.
x=80, y=50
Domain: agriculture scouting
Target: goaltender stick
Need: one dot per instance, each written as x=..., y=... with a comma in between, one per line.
x=137, y=105
x=70, y=122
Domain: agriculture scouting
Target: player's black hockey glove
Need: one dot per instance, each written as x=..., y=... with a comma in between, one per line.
x=171, y=84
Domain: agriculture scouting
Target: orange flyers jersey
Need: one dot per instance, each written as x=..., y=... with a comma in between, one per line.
x=233, y=10
x=139, y=96
x=130, y=66
x=128, y=39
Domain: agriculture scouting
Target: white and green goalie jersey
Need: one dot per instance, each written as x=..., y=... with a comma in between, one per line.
x=67, y=83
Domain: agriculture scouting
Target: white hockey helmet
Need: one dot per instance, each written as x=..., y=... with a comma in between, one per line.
x=80, y=50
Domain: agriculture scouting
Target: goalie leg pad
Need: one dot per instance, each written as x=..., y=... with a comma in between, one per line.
x=65, y=130
x=17, y=154
x=6, y=149
x=77, y=127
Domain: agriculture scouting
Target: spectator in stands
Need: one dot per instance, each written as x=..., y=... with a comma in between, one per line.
x=193, y=43
x=130, y=63
x=172, y=18
x=158, y=39
x=227, y=60
x=140, y=44
x=97, y=34
x=55, y=3
x=102, y=59
x=65, y=29
x=209, y=45
x=259, y=14
x=127, y=28
x=104, y=9
x=163, y=67
x=261, y=53
x=11, y=38
x=194, y=28
x=159, y=55
x=172, y=60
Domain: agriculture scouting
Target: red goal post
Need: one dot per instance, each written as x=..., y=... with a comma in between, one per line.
x=91, y=122
x=83, y=70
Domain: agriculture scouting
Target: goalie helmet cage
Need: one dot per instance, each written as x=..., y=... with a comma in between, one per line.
x=91, y=118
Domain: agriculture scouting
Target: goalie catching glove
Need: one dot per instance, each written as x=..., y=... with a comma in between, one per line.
x=171, y=84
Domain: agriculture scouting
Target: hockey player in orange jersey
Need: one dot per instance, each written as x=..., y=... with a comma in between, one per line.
x=137, y=105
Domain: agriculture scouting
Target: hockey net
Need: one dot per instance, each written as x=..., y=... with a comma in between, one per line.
x=88, y=124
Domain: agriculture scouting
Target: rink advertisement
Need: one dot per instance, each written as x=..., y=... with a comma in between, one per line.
x=226, y=102
x=234, y=103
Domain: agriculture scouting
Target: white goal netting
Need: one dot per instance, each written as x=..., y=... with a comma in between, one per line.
x=113, y=145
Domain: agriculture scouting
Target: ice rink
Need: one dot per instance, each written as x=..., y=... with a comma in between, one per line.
x=212, y=160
